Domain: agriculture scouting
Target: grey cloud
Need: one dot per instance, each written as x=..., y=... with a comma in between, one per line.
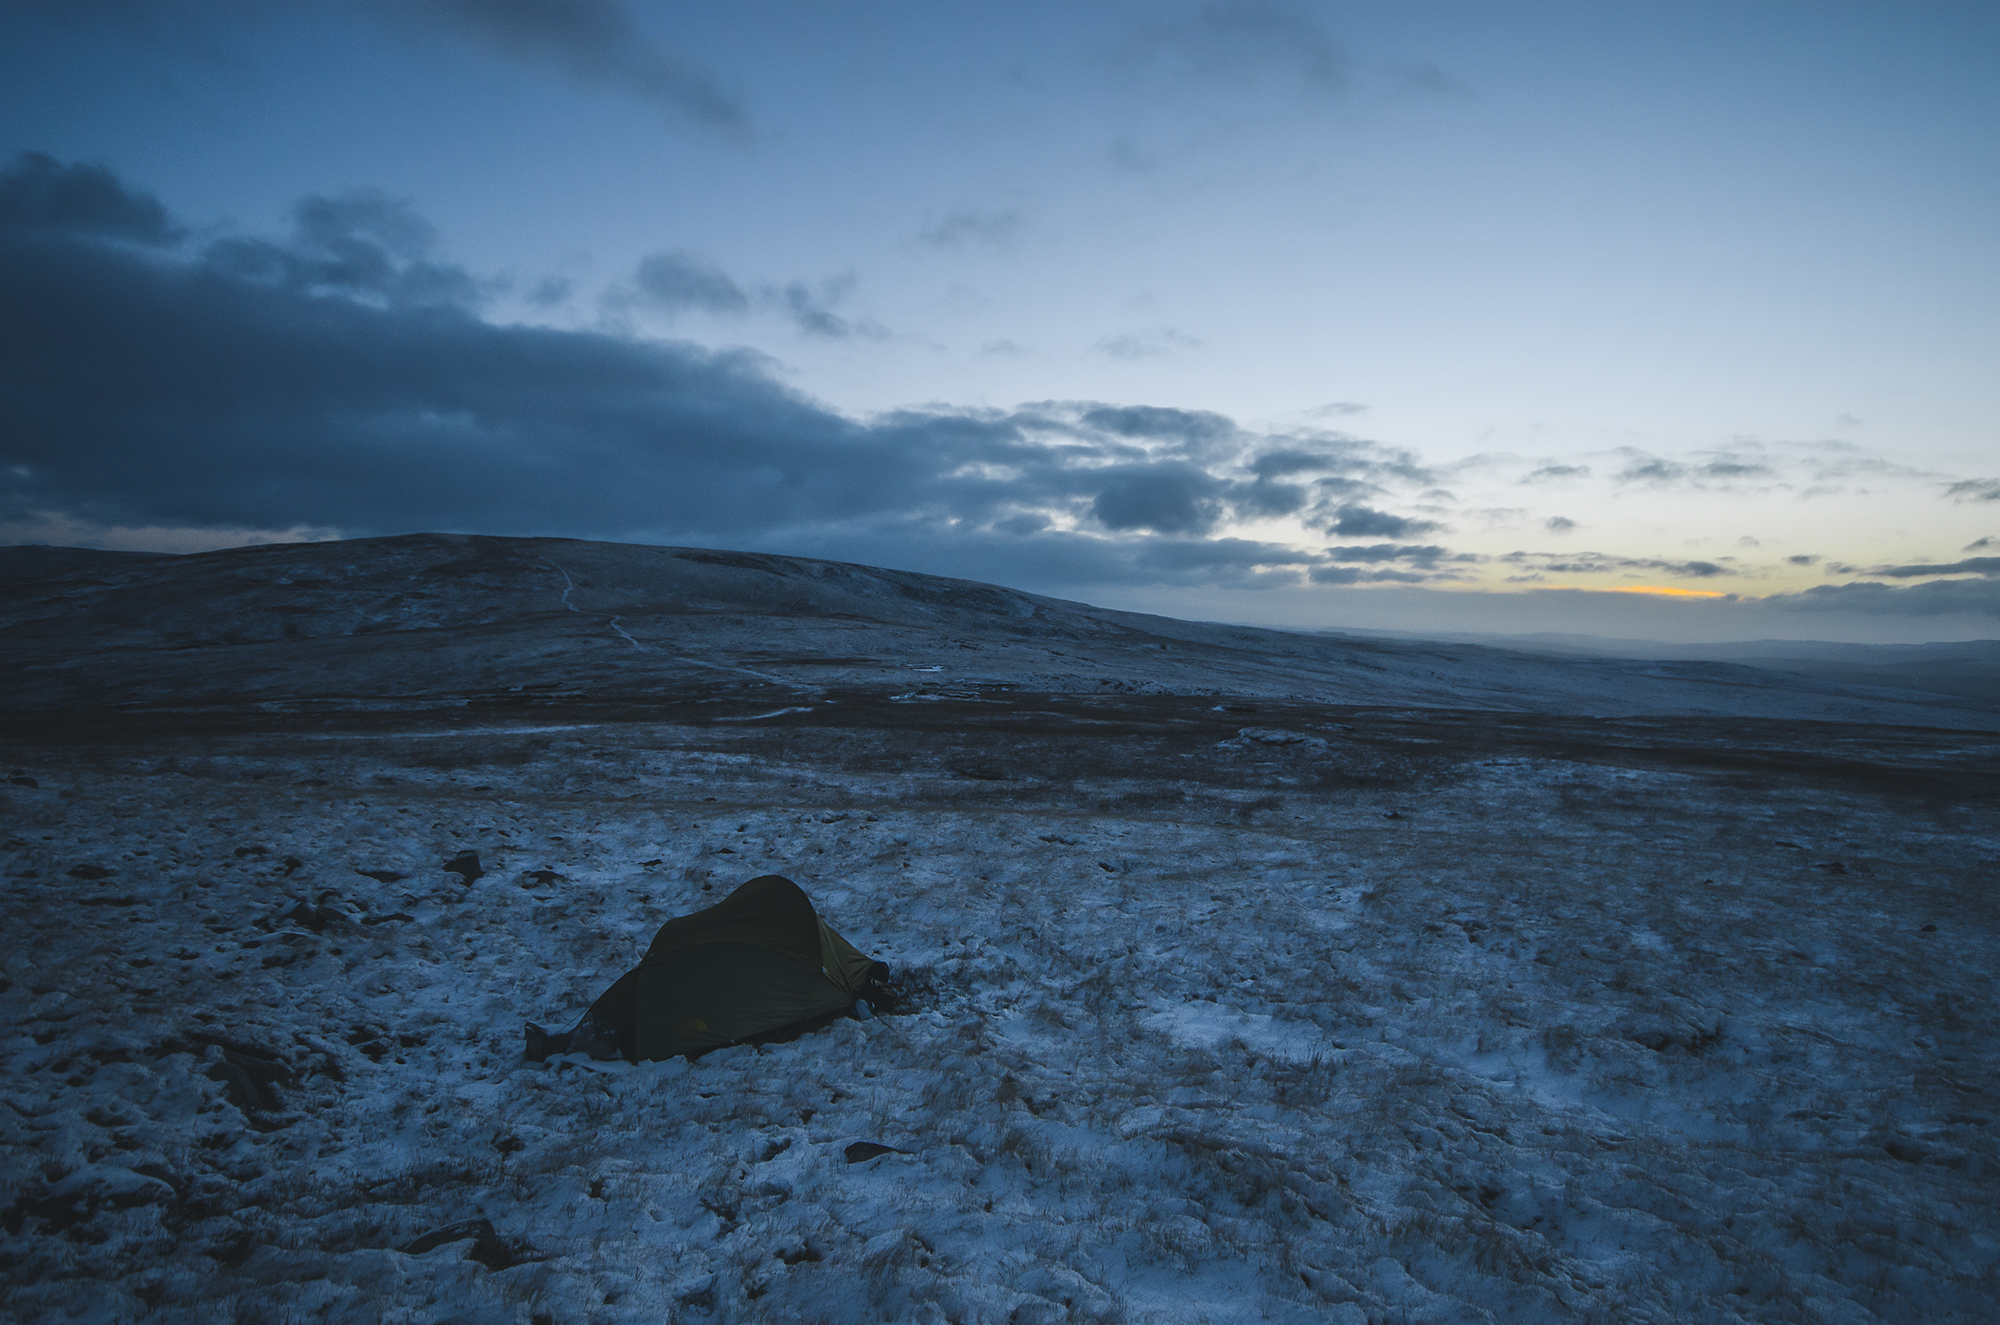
x=1559, y=524
x=551, y=291
x=1430, y=80
x=593, y=43
x=362, y=245
x=1426, y=554
x=1732, y=468
x=811, y=309
x=1242, y=553
x=1652, y=470
x=1262, y=497
x=1597, y=563
x=39, y=195
x=675, y=281
x=1355, y=575
x=973, y=226
x=1363, y=522
x=1979, y=543
x=1280, y=464
x=1970, y=566
x=268, y=385
x=1146, y=344
x=1168, y=499
x=1548, y=472
x=1194, y=428
x=1336, y=489
x=1245, y=42
x=1979, y=597
x=1975, y=489
x=1803, y=559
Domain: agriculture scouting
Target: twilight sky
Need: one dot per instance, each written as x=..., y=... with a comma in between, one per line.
x=1675, y=321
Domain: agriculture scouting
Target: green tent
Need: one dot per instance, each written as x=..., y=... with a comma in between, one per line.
x=758, y=961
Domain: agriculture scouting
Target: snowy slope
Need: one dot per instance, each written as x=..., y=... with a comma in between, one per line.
x=1224, y=997
x=445, y=620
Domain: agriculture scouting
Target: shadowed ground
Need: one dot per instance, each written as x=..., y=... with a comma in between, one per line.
x=1216, y=1005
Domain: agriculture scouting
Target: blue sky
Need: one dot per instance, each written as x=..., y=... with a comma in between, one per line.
x=1637, y=319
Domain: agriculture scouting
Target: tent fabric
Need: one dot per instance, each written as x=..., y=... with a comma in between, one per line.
x=759, y=960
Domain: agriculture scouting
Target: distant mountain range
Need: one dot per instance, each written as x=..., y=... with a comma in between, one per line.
x=1967, y=668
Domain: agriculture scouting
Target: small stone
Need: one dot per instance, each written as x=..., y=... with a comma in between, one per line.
x=466, y=865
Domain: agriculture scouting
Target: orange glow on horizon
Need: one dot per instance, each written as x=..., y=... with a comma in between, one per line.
x=1667, y=591
x=1662, y=590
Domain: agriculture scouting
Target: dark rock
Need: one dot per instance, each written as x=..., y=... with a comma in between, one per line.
x=863, y=1151
x=382, y=876
x=466, y=865
x=252, y=851
x=311, y=917
x=292, y=865
x=543, y=878
x=250, y=1079
x=488, y=1247
x=90, y=872
x=24, y=782
x=383, y=920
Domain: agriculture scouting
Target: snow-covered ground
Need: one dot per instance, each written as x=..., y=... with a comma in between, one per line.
x=1360, y=1026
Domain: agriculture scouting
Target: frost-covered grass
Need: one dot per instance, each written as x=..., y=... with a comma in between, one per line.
x=1190, y=1033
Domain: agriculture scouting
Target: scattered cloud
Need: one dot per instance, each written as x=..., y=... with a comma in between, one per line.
x=1355, y=575
x=811, y=309
x=1550, y=472
x=964, y=229
x=1129, y=155
x=1429, y=80
x=1355, y=521
x=1425, y=555
x=1652, y=469
x=1195, y=429
x=551, y=292
x=1152, y=344
x=1005, y=349
x=1970, y=566
x=672, y=282
x=1598, y=563
x=344, y=379
x=1974, y=489
x=1980, y=597
x=41, y=196
x=591, y=43
x=1240, y=42
x=1979, y=543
